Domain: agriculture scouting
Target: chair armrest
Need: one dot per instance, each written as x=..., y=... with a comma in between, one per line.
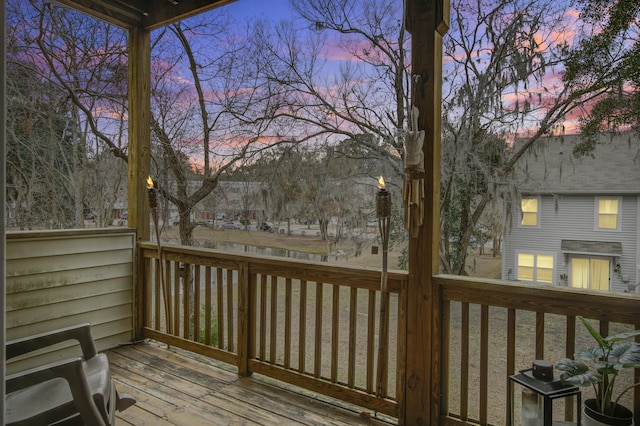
x=81, y=333
x=72, y=372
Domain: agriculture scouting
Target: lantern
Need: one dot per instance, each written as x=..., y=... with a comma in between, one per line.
x=539, y=388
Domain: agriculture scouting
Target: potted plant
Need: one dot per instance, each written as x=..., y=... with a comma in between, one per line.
x=606, y=360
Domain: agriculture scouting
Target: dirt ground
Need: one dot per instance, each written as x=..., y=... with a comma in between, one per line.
x=307, y=239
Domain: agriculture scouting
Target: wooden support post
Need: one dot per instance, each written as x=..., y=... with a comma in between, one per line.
x=139, y=130
x=427, y=21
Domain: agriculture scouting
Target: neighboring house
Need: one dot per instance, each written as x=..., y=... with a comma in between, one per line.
x=577, y=221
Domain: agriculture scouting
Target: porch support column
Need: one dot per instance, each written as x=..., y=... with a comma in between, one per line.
x=139, y=130
x=427, y=21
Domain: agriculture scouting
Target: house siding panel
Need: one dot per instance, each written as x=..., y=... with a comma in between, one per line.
x=58, y=279
x=573, y=218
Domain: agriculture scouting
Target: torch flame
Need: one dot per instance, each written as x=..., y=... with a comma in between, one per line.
x=380, y=182
x=149, y=182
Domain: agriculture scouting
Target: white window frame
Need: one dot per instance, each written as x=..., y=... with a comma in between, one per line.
x=596, y=218
x=535, y=255
x=538, y=213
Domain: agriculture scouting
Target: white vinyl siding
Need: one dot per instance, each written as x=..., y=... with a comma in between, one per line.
x=57, y=279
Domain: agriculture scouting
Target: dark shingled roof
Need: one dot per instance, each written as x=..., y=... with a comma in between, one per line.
x=551, y=168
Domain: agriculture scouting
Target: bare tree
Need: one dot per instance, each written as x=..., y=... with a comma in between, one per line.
x=499, y=58
x=365, y=95
x=83, y=60
x=213, y=117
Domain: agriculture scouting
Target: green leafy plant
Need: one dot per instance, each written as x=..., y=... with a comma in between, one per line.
x=612, y=355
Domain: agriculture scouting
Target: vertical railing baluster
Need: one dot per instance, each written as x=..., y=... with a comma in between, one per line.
x=219, y=309
x=335, y=324
x=464, y=363
x=302, y=331
x=157, y=297
x=511, y=354
x=230, y=323
x=317, y=364
x=484, y=363
x=263, y=317
x=207, y=305
x=371, y=332
x=287, y=324
x=604, y=328
x=540, y=335
x=273, y=315
x=148, y=304
x=176, y=300
x=167, y=287
x=196, y=303
x=246, y=318
x=353, y=323
x=186, y=300
x=383, y=341
x=445, y=355
x=570, y=348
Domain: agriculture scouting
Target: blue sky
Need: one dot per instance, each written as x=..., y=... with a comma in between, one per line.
x=274, y=9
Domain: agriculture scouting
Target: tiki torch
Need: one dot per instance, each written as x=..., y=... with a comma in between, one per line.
x=153, y=205
x=383, y=210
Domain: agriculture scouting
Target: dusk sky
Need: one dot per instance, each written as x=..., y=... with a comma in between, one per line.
x=274, y=9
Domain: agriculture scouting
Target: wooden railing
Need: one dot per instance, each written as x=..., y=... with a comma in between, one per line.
x=308, y=324
x=492, y=329
x=315, y=325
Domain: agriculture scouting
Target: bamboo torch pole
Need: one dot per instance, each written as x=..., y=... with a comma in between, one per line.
x=383, y=210
x=153, y=205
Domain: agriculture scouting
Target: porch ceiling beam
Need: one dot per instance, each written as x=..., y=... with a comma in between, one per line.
x=148, y=14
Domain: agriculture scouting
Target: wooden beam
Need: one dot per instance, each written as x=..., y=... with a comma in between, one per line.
x=164, y=12
x=139, y=130
x=112, y=12
x=427, y=20
x=148, y=14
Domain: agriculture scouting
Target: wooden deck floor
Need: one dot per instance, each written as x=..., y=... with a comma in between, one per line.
x=173, y=388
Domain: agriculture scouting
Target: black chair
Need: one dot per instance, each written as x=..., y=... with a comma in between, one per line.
x=68, y=392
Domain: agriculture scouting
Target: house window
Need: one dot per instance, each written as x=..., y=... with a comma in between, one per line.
x=537, y=268
x=608, y=213
x=529, y=207
x=593, y=273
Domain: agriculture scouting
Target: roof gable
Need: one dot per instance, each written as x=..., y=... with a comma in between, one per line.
x=551, y=168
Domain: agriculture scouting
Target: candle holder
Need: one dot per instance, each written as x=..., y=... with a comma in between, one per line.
x=383, y=211
x=152, y=193
x=539, y=388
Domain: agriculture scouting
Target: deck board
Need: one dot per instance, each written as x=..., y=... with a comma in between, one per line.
x=176, y=388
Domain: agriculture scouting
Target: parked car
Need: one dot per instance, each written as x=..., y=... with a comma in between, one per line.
x=231, y=225
x=267, y=226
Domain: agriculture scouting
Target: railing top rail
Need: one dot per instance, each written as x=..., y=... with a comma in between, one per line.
x=606, y=306
x=353, y=276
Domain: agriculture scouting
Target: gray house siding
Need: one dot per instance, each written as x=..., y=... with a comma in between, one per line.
x=572, y=217
x=568, y=189
x=636, y=284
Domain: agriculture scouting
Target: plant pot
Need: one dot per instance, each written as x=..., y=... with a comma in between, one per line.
x=621, y=417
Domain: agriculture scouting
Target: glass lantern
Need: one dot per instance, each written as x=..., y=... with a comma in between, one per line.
x=538, y=391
